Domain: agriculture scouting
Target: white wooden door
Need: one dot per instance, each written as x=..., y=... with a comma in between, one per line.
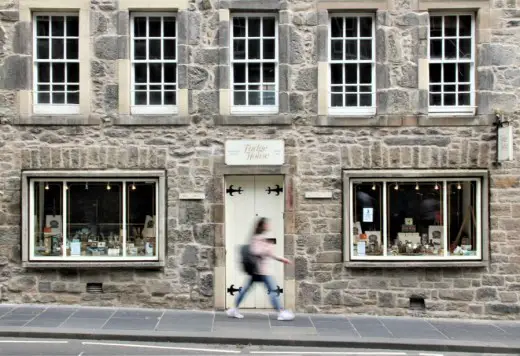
x=249, y=198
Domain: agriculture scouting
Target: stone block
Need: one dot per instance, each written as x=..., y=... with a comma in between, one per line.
x=206, y=285
x=386, y=300
x=159, y=288
x=333, y=298
x=194, y=27
x=497, y=54
x=106, y=47
x=409, y=74
x=301, y=267
x=322, y=43
x=16, y=72
x=188, y=275
x=502, y=309
x=205, y=234
x=307, y=79
x=44, y=287
x=21, y=284
x=486, y=293
x=485, y=79
x=22, y=38
x=207, y=102
x=332, y=243
x=457, y=295
x=191, y=212
x=197, y=78
x=328, y=257
x=9, y=16
x=111, y=97
x=309, y=294
x=337, y=285
x=190, y=257
x=217, y=213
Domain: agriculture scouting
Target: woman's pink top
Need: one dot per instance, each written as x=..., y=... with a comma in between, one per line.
x=261, y=247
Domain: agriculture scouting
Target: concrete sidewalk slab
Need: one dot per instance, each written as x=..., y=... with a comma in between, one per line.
x=310, y=330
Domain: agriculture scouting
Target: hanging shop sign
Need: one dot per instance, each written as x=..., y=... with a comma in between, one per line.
x=254, y=152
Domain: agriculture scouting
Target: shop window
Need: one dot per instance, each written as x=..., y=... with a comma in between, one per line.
x=254, y=64
x=93, y=219
x=452, y=63
x=154, y=63
x=56, y=63
x=352, y=65
x=415, y=218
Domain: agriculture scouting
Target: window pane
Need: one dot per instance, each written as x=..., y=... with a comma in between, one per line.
x=58, y=98
x=73, y=98
x=94, y=219
x=58, y=26
x=253, y=52
x=351, y=100
x=435, y=26
x=154, y=27
x=239, y=98
x=464, y=72
x=367, y=229
x=57, y=49
x=269, y=49
x=73, y=72
x=155, y=73
x=269, y=98
x=42, y=48
x=48, y=219
x=415, y=219
x=336, y=49
x=337, y=100
x=464, y=25
x=170, y=73
x=141, y=220
x=365, y=73
x=239, y=49
x=169, y=49
x=140, y=98
x=154, y=49
x=435, y=99
x=462, y=224
x=450, y=26
x=253, y=29
x=239, y=27
x=42, y=26
x=72, y=49
x=366, y=49
x=140, y=49
x=351, y=49
x=465, y=48
x=450, y=48
x=170, y=98
x=435, y=48
x=365, y=100
x=239, y=73
x=336, y=73
x=140, y=75
x=169, y=27
x=435, y=73
x=44, y=75
x=449, y=99
x=155, y=98
x=351, y=27
x=365, y=24
x=254, y=73
x=351, y=73
x=463, y=99
x=72, y=26
x=450, y=71
x=44, y=98
x=140, y=27
x=336, y=27
x=269, y=27
x=58, y=72
x=254, y=98
x=268, y=69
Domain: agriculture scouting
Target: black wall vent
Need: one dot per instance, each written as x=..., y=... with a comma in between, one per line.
x=94, y=287
x=417, y=303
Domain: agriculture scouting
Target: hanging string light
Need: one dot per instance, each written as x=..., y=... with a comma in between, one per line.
x=47, y=186
x=86, y=186
x=436, y=186
x=416, y=186
x=396, y=186
x=133, y=186
x=459, y=187
x=374, y=186
x=108, y=186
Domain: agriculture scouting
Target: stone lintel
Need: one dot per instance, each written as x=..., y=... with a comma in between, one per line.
x=350, y=5
x=222, y=169
x=254, y=120
x=152, y=120
x=153, y=5
x=264, y=5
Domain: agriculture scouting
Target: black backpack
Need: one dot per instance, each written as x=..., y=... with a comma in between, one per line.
x=249, y=261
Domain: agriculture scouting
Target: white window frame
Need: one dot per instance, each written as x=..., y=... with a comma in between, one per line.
x=442, y=177
x=455, y=110
x=154, y=109
x=126, y=178
x=54, y=109
x=352, y=110
x=254, y=109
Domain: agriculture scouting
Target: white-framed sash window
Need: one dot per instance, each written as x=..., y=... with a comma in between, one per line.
x=352, y=64
x=56, y=63
x=153, y=48
x=254, y=64
x=452, y=63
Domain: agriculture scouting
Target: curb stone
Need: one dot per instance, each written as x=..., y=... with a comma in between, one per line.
x=272, y=340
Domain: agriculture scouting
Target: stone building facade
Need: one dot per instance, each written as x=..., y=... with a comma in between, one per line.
x=321, y=148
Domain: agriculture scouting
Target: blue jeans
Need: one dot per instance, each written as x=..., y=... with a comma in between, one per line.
x=269, y=283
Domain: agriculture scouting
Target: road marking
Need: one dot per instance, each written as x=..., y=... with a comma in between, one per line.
x=160, y=347
x=32, y=342
x=328, y=353
x=428, y=354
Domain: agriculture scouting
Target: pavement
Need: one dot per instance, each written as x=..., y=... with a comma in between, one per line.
x=259, y=328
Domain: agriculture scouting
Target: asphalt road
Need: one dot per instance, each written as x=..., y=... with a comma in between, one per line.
x=47, y=347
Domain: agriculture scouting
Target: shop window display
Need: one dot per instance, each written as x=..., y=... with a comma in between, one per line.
x=92, y=219
x=415, y=219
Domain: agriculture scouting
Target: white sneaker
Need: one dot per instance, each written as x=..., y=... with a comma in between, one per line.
x=233, y=313
x=286, y=315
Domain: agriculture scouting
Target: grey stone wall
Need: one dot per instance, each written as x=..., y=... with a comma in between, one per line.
x=316, y=155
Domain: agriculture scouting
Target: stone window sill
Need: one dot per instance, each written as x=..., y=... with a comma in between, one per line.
x=254, y=120
x=447, y=120
x=95, y=264
x=359, y=120
x=61, y=120
x=416, y=264
x=154, y=120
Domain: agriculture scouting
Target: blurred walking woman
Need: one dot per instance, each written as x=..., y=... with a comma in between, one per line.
x=263, y=249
